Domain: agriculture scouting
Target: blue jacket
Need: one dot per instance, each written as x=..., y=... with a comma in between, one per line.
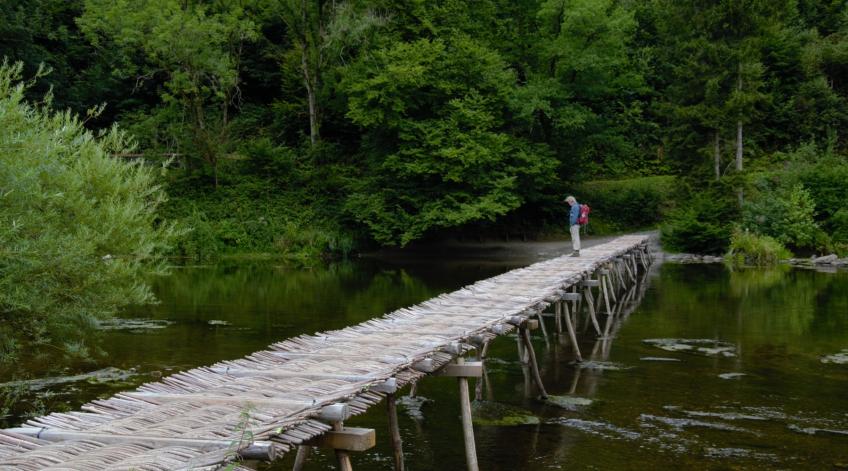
x=574, y=214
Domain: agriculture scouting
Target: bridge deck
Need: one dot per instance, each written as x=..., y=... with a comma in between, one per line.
x=195, y=419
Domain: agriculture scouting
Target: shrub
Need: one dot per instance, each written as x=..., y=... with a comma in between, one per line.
x=784, y=213
x=839, y=224
x=747, y=248
x=80, y=226
x=702, y=224
x=618, y=205
x=823, y=174
x=253, y=215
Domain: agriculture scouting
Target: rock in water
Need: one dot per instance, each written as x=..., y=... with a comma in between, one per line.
x=412, y=406
x=658, y=359
x=825, y=259
x=708, y=347
x=571, y=403
x=496, y=414
x=102, y=376
x=840, y=358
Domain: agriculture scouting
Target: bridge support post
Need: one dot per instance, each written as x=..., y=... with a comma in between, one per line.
x=467, y=425
x=542, y=326
x=608, y=280
x=534, y=366
x=558, y=316
x=572, y=334
x=590, y=302
x=394, y=431
x=481, y=357
x=342, y=455
x=303, y=452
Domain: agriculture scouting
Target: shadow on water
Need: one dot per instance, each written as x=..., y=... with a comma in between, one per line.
x=702, y=368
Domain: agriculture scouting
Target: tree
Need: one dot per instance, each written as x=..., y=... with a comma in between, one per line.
x=584, y=93
x=324, y=34
x=713, y=57
x=194, y=47
x=438, y=153
x=80, y=227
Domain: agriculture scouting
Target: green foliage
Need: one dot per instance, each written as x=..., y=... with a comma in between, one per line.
x=275, y=207
x=839, y=223
x=244, y=218
x=196, y=46
x=702, y=223
x=619, y=205
x=433, y=118
x=783, y=213
x=747, y=248
x=809, y=183
x=584, y=97
x=434, y=113
x=822, y=173
x=80, y=226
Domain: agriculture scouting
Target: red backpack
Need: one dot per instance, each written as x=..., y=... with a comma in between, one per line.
x=583, y=218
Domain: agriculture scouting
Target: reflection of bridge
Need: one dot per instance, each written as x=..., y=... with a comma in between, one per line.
x=299, y=392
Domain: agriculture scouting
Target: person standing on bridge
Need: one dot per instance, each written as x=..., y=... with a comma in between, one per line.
x=573, y=225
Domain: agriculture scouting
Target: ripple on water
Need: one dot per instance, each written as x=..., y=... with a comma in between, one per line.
x=601, y=429
x=602, y=366
x=138, y=325
x=684, y=423
x=817, y=431
x=660, y=359
x=724, y=415
x=723, y=453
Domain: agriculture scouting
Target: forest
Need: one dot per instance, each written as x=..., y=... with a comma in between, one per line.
x=312, y=129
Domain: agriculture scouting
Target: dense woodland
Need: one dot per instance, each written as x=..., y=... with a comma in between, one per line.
x=311, y=128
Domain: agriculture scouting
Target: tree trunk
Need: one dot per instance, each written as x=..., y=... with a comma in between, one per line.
x=309, y=79
x=739, y=146
x=739, y=124
x=314, y=133
x=717, y=157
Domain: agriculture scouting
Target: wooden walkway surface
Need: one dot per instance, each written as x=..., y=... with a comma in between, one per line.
x=269, y=402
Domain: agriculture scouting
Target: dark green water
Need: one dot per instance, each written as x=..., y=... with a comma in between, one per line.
x=789, y=410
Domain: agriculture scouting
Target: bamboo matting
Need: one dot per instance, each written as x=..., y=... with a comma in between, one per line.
x=275, y=394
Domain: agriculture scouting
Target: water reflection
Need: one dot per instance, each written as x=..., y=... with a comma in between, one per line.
x=210, y=313
x=642, y=404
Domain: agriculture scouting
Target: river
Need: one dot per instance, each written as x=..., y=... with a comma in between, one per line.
x=712, y=369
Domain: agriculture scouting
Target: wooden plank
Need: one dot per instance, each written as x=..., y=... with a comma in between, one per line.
x=261, y=450
x=348, y=438
x=469, y=369
x=394, y=344
x=281, y=374
x=245, y=400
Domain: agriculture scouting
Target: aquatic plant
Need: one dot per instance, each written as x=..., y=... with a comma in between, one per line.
x=747, y=248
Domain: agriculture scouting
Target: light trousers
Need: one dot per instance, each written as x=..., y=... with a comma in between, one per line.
x=575, y=237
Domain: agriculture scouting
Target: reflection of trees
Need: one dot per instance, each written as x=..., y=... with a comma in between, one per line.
x=260, y=301
x=253, y=295
x=769, y=305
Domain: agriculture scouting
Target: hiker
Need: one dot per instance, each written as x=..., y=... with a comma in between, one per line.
x=573, y=225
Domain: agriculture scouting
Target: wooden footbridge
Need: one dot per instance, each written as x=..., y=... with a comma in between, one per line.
x=298, y=393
